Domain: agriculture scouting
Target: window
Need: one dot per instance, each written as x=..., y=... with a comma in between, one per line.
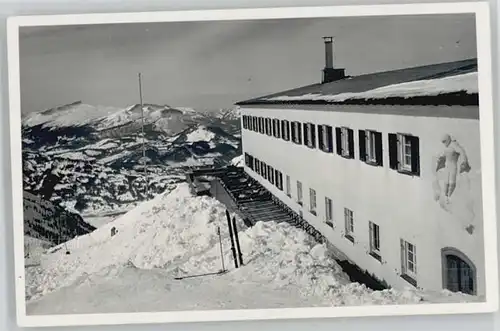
x=268, y=129
x=409, y=262
x=270, y=174
x=329, y=211
x=299, y=193
x=370, y=147
x=325, y=138
x=249, y=161
x=261, y=124
x=255, y=126
x=345, y=142
x=312, y=201
x=276, y=128
x=288, y=186
x=285, y=130
x=296, y=133
x=310, y=135
x=257, y=166
x=278, y=179
x=375, y=240
x=263, y=168
x=349, y=224
x=404, y=153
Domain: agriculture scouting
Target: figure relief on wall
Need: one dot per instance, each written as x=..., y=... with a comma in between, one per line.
x=452, y=183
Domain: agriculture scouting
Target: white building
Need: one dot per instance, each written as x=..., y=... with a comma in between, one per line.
x=363, y=160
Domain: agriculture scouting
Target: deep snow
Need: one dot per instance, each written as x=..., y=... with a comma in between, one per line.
x=174, y=235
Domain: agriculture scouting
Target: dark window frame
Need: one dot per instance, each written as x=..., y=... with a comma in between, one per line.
x=397, y=142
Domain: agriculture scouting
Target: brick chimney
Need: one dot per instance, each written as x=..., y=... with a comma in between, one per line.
x=330, y=73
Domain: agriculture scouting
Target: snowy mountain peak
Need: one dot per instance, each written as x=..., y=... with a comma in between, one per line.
x=74, y=114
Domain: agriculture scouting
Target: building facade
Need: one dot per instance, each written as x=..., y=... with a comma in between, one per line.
x=394, y=186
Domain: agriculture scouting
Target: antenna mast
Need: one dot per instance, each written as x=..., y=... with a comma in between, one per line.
x=143, y=137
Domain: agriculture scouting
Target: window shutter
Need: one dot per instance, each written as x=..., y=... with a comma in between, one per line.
x=313, y=135
x=379, y=149
x=299, y=133
x=320, y=134
x=306, y=131
x=362, y=145
x=329, y=135
x=338, y=133
x=415, y=155
x=403, y=256
x=370, y=231
x=350, y=136
x=393, y=151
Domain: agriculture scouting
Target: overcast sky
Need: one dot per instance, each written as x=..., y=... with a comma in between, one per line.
x=211, y=65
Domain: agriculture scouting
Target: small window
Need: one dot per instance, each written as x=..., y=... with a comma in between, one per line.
x=345, y=142
x=276, y=128
x=270, y=174
x=257, y=166
x=404, y=153
x=247, y=159
x=255, y=126
x=370, y=147
x=310, y=135
x=268, y=127
x=325, y=138
x=349, y=224
x=409, y=262
x=375, y=240
x=329, y=211
x=312, y=201
x=278, y=179
x=263, y=168
x=299, y=193
x=288, y=186
x=285, y=130
x=251, y=162
x=296, y=133
x=261, y=125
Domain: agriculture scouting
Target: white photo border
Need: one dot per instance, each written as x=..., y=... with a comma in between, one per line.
x=483, y=35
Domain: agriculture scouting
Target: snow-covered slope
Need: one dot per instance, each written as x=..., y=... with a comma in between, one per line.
x=74, y=114
x=175, y=235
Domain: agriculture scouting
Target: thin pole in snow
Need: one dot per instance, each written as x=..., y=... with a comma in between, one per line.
x=143, y=137
x=221, y=252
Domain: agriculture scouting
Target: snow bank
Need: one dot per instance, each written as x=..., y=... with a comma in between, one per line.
x=156, y=234
x=175, y=235
x=200, y=134
x=466, y=82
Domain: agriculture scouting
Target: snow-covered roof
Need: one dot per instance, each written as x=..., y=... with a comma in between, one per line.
x=446, y=83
